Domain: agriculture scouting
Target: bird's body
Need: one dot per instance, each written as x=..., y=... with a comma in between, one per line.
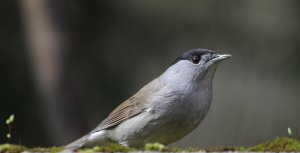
x=164, y=110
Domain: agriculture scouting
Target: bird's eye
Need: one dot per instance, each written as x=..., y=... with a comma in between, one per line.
x=195, y=59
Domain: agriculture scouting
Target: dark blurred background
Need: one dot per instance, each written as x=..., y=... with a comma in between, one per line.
x=66, y=64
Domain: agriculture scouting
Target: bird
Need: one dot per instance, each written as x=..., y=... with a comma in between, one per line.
x=164, y=110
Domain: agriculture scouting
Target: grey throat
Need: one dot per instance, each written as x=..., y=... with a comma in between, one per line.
x=164, y=110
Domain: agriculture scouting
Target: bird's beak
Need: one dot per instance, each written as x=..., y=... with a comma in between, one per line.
x=220, y=57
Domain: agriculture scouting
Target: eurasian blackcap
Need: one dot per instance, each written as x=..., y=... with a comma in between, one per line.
x=164, y=110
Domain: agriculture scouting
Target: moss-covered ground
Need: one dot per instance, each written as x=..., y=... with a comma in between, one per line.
x=280, y=144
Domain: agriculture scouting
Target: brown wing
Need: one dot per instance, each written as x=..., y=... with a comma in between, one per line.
x=129, y=108
x=126, y=110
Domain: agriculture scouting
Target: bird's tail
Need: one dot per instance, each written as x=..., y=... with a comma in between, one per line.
x=77, y=143
x=91, y=139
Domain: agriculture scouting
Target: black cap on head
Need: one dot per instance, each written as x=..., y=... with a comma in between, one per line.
x=189, y=54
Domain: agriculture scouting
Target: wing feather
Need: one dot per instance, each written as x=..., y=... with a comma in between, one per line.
x=129, y=108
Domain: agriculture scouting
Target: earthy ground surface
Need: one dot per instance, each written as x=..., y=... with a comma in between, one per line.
x=280, y=144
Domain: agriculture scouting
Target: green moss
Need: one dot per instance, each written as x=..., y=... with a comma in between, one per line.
x=280, y=144
x=224, y=148
x=111, y=147
x=48, y=150
x=277, y=145
x=9, y=148
x=155, y=147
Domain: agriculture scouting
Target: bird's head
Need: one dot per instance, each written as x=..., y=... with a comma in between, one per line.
x=193, y=66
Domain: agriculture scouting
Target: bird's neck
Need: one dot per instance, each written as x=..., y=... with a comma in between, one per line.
x=184, y=81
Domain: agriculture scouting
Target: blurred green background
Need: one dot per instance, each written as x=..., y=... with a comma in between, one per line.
x=65, y=65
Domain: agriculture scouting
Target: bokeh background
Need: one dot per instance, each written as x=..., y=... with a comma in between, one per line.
x=66, y=64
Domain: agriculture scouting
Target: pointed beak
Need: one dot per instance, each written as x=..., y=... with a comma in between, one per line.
x=216, y=58
x=220, y=57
